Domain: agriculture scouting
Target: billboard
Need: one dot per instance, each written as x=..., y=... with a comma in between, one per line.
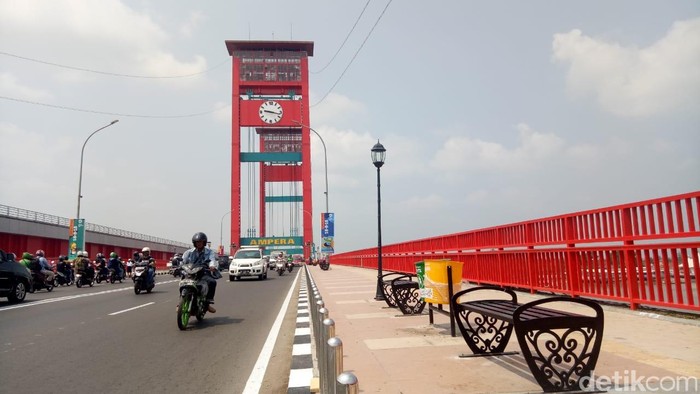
x=327, y=232
x=76, y=237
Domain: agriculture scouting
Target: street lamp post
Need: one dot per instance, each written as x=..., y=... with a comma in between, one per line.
x=310, y=218
x=325, y=156
x=378, y=156
x=82, y=152
x=221, y=233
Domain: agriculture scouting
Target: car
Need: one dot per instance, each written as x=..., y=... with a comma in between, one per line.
x=248, y=262
x=224, y=261
x=15, y=279
x=298, y=259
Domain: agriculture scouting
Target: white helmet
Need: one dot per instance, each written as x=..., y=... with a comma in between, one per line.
x=81, y=253
x=146, y=249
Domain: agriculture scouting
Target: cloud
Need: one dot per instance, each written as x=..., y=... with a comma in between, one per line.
x=223, y=113
x=635, y=82
x=10, y=86
x=104, y=36
x=465, y=154
x=337, y=109
x=344, y=157
x=27, y=160
x=188, y=28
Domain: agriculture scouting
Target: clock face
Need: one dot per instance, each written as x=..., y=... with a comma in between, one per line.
x=270, y=112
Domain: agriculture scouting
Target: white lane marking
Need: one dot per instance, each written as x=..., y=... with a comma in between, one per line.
x=131, y=309
x=300, y=377
x=67, y=298
x=256, y=376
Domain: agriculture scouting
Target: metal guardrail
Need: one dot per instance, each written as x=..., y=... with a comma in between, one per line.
x=329, y=347
x=640, y=253
x=33, y=216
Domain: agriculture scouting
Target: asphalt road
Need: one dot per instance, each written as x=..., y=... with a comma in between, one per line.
x=106, y=339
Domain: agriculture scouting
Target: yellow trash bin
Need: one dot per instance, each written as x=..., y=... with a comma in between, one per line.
x=435, y=288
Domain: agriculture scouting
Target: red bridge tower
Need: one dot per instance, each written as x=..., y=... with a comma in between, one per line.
x=271, y=96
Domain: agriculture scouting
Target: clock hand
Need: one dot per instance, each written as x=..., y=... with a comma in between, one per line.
x=272, y=112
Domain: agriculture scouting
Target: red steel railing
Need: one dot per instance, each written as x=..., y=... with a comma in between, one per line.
x=643, y=253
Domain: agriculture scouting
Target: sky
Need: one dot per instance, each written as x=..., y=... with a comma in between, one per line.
x=492, y=112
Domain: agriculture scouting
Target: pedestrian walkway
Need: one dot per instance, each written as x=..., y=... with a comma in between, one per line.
x=392, y=353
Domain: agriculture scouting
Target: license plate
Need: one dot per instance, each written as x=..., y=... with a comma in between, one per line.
x=187, y=282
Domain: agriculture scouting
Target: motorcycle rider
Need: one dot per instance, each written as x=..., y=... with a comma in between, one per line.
x=45, y=270
x=146, y=256
x=199, y=255
x=115, y=264
x=27, y=260
x=176, y=262
x=83, y=265
x=101, y=264
x=130, y=264
x=64, y=267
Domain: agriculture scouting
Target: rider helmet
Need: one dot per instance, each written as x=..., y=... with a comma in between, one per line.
x=62, y=257
x=27, y=256
x=39, y=253
x=113, y=255
x=81, y=254
x=99, y=256
x=146, y=249
x=197, y=237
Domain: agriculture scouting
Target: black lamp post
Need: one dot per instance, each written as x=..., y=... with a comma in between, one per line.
x=378, y=156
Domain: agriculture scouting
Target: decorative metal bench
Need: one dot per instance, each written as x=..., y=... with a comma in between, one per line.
x=560, y=348
x=386, y=288
x=400, y=291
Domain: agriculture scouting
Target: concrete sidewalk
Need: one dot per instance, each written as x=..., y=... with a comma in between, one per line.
x=392, y=353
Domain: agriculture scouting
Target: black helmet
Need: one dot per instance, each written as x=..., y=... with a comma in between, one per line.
x=62, y=257
x=200, y=236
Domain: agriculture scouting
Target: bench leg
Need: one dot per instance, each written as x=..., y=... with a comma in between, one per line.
x=484, y=335
x=408, y=300
x=388, y=294
x=560, y=352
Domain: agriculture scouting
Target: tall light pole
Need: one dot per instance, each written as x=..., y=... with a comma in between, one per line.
x=310, y=243
x=221, y=233
x=82, y=152
x=378, y=156
x=325, y=156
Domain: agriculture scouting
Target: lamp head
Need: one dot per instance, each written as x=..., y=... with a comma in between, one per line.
x=378, y=154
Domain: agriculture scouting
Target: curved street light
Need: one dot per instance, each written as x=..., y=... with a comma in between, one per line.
x=378, y=156
x=310, y=243
x=82, y=152
x=221, y=230
x=325, y=156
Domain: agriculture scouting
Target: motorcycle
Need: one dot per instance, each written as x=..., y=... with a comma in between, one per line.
x=324, y=264
x=114, y=276
x=175, y=269
x=102, y=275
x=279, y=266
x=84, y=278
x=289, y=265
x=41, y=282
x=60, y=279
x=141, y=282
x=193, y=291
